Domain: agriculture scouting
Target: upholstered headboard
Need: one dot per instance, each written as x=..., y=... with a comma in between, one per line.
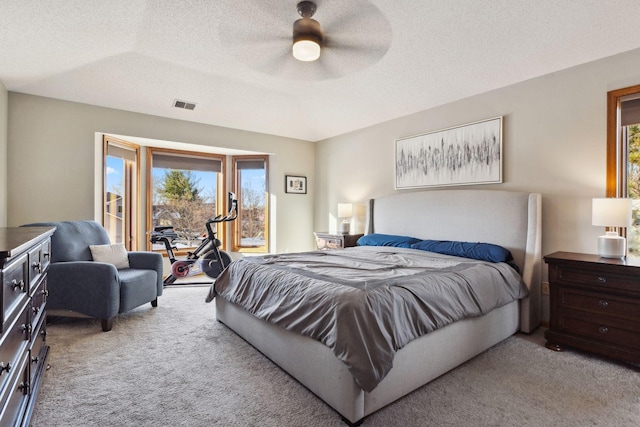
x=506, y=218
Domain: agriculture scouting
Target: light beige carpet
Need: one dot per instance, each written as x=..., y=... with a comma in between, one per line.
x=175, y=365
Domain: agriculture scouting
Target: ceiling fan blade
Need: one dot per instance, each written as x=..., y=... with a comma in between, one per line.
x=274, y=64
x=372, y=46
x=275, y=12
x=354, y=17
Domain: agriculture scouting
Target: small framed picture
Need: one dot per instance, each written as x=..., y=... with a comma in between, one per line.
x=295, y=184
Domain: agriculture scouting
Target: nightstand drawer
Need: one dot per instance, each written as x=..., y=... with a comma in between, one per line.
x=335, y=241
x=599, y=303
x=329, y=243
x=595, y=278
x=620, y=334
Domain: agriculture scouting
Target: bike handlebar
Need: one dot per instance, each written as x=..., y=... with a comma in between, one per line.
x=231, y=215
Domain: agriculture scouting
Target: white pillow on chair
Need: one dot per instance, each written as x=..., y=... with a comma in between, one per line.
x=115, y=254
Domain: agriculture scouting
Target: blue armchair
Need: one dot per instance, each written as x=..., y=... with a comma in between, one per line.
x=79, y=285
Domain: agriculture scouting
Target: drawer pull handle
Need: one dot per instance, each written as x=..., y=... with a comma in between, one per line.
x=17, y=285
x=46, y=255
x=24, y=387
x=602, y=279
x=603, y=329
x=603, y=303
x=5, y=367
x=37, y=266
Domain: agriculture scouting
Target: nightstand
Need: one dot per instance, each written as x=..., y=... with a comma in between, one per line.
x=595, y=305
x=335, y=240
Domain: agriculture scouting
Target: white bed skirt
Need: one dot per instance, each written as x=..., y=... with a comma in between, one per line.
x=315, y=366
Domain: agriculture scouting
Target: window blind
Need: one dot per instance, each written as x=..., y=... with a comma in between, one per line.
x=179, y=162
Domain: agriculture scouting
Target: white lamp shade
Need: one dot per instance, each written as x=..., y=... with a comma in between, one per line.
x=306, y=50
x=611, y=212
x=345, y=210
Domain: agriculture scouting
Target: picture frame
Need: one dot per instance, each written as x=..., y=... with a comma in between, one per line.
x=295, y=184
x=462, y=155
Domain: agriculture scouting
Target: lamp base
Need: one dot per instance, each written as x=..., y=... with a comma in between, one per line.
x=611, y=245
x=345, y=227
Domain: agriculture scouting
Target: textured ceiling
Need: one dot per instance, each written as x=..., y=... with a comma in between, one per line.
x=384, y=58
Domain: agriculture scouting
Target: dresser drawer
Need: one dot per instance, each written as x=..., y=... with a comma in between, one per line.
x=601, y=329
x=14, y=397
x=38, y=262
x=38, y=301
x=601, y=303
x=13, y=344
x=15, y=283
x=38, y=350
x=594, y=279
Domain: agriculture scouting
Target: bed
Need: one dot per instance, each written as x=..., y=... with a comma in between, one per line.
x=508, y=219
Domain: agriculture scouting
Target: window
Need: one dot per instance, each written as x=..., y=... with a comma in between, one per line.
x=184, y=190
x=250, y=230
x=120, y=191
x=623, y=155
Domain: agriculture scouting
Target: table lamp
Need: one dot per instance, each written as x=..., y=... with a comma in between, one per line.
x=345, y=211
x=613, y=213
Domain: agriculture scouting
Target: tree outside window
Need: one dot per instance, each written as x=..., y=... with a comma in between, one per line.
x=250, y=230
x=632, y=136
x=180, y=204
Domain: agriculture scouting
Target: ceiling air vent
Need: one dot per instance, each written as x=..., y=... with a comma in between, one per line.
x=185, y=105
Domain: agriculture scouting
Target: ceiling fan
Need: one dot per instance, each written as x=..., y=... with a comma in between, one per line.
x=330, y=39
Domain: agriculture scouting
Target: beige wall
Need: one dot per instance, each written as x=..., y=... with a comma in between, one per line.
x=52, y=150
x=3, y=154
x=554, y=143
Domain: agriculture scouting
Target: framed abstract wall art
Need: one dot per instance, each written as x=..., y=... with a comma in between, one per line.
x=462, y=155
x=295, y=184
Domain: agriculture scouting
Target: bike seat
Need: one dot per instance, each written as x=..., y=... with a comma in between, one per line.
x=162, y=228
x=160, y=234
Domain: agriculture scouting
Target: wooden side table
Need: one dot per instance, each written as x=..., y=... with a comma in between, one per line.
x=595, y=305
x=326, y=240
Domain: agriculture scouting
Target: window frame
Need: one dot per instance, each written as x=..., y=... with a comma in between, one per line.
x=236, y=225
x=616, y=153
x=131, y=214
x=221, y=194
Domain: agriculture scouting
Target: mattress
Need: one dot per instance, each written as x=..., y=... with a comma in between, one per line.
x=366, y=303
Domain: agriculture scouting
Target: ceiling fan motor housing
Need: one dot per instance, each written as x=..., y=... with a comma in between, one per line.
x=307, y=29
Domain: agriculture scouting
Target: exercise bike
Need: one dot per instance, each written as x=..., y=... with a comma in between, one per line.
x=208, y=258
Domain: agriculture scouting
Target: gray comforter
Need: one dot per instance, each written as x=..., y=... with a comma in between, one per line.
x=366, y=303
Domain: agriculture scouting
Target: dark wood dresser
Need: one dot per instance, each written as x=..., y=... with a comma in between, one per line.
x=595, y=305
x=24, y=260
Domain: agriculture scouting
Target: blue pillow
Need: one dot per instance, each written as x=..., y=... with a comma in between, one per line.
x=376, y=239
x=480, y=251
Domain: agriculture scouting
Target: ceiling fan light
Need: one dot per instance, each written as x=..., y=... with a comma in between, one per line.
x=307, y=39
x=306, y=50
